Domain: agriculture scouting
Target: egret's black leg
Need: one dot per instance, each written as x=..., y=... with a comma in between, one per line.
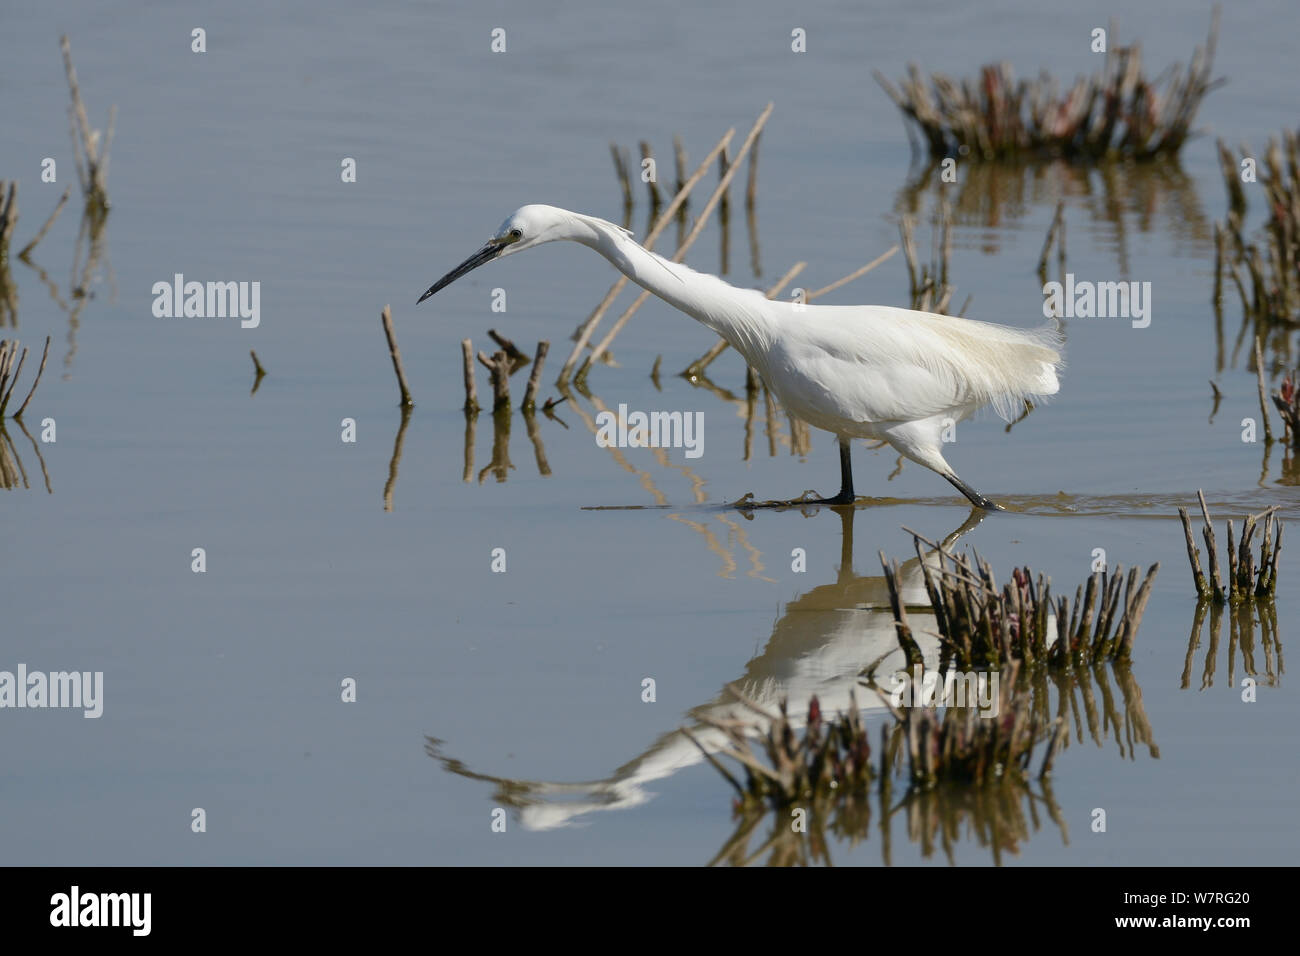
x=977, y=499
x=845, y=497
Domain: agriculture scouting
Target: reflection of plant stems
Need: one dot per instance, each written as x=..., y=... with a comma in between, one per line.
x=9, y=459
x=500, y=463
x=535, y=436
x=471, y=419
x=396, y=459
x=259, y=373
x=1193, y=641
x=58, y=208
x=1263, y=392
x=37, y=448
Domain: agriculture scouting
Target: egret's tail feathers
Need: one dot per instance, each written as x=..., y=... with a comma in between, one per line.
x=1005, y=367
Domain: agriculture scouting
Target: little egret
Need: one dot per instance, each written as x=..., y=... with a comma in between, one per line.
x=862, y=371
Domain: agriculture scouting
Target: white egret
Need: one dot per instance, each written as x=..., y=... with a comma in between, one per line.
x=864, y=371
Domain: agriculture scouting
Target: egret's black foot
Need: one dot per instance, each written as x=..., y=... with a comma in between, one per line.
x=977, y=499
x=748, y=502
x=843, y=498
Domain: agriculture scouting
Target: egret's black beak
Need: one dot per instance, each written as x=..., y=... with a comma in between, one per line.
x=489, y=252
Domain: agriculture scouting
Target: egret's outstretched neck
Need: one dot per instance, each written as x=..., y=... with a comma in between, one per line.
x=735, y=314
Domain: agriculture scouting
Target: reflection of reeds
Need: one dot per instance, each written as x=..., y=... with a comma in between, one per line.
x=990, y=199
x=1242, y=619
x=397, y=457
x=1117, y=112
x=969, y=747
x=8, y=222
x=91, y=150
x=507, y=360
x=1246, y=578
x=9, y=375
x=956, y=767
x=12, y=472
x=1287, y=400
x=259, y=373
x=928, y=287
x=1270, y=288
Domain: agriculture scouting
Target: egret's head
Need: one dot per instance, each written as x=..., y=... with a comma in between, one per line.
x=528, y=226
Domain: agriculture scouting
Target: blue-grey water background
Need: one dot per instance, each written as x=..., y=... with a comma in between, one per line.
x=222, y=689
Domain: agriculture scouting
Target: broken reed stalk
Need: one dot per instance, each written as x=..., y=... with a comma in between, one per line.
x=471, y=390
x=982, y=626
x=1247, y=579
x=530, y=392
x=680, y=254
x=386, y=317
x=517, y=358
x=1116, y=112
x=855, y=274
x=584, y=332
x=499, y=365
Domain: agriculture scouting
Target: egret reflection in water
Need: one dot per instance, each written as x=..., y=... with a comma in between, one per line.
x=826, y=639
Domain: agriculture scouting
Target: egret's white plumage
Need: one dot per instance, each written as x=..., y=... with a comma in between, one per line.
x=861, y=371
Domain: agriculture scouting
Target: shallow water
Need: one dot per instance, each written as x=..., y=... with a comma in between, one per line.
x=222, y=689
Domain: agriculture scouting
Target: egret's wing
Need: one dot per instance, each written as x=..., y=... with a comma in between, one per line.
x=878, y=364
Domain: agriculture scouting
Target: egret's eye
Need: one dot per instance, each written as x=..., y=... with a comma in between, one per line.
x=516, y=234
